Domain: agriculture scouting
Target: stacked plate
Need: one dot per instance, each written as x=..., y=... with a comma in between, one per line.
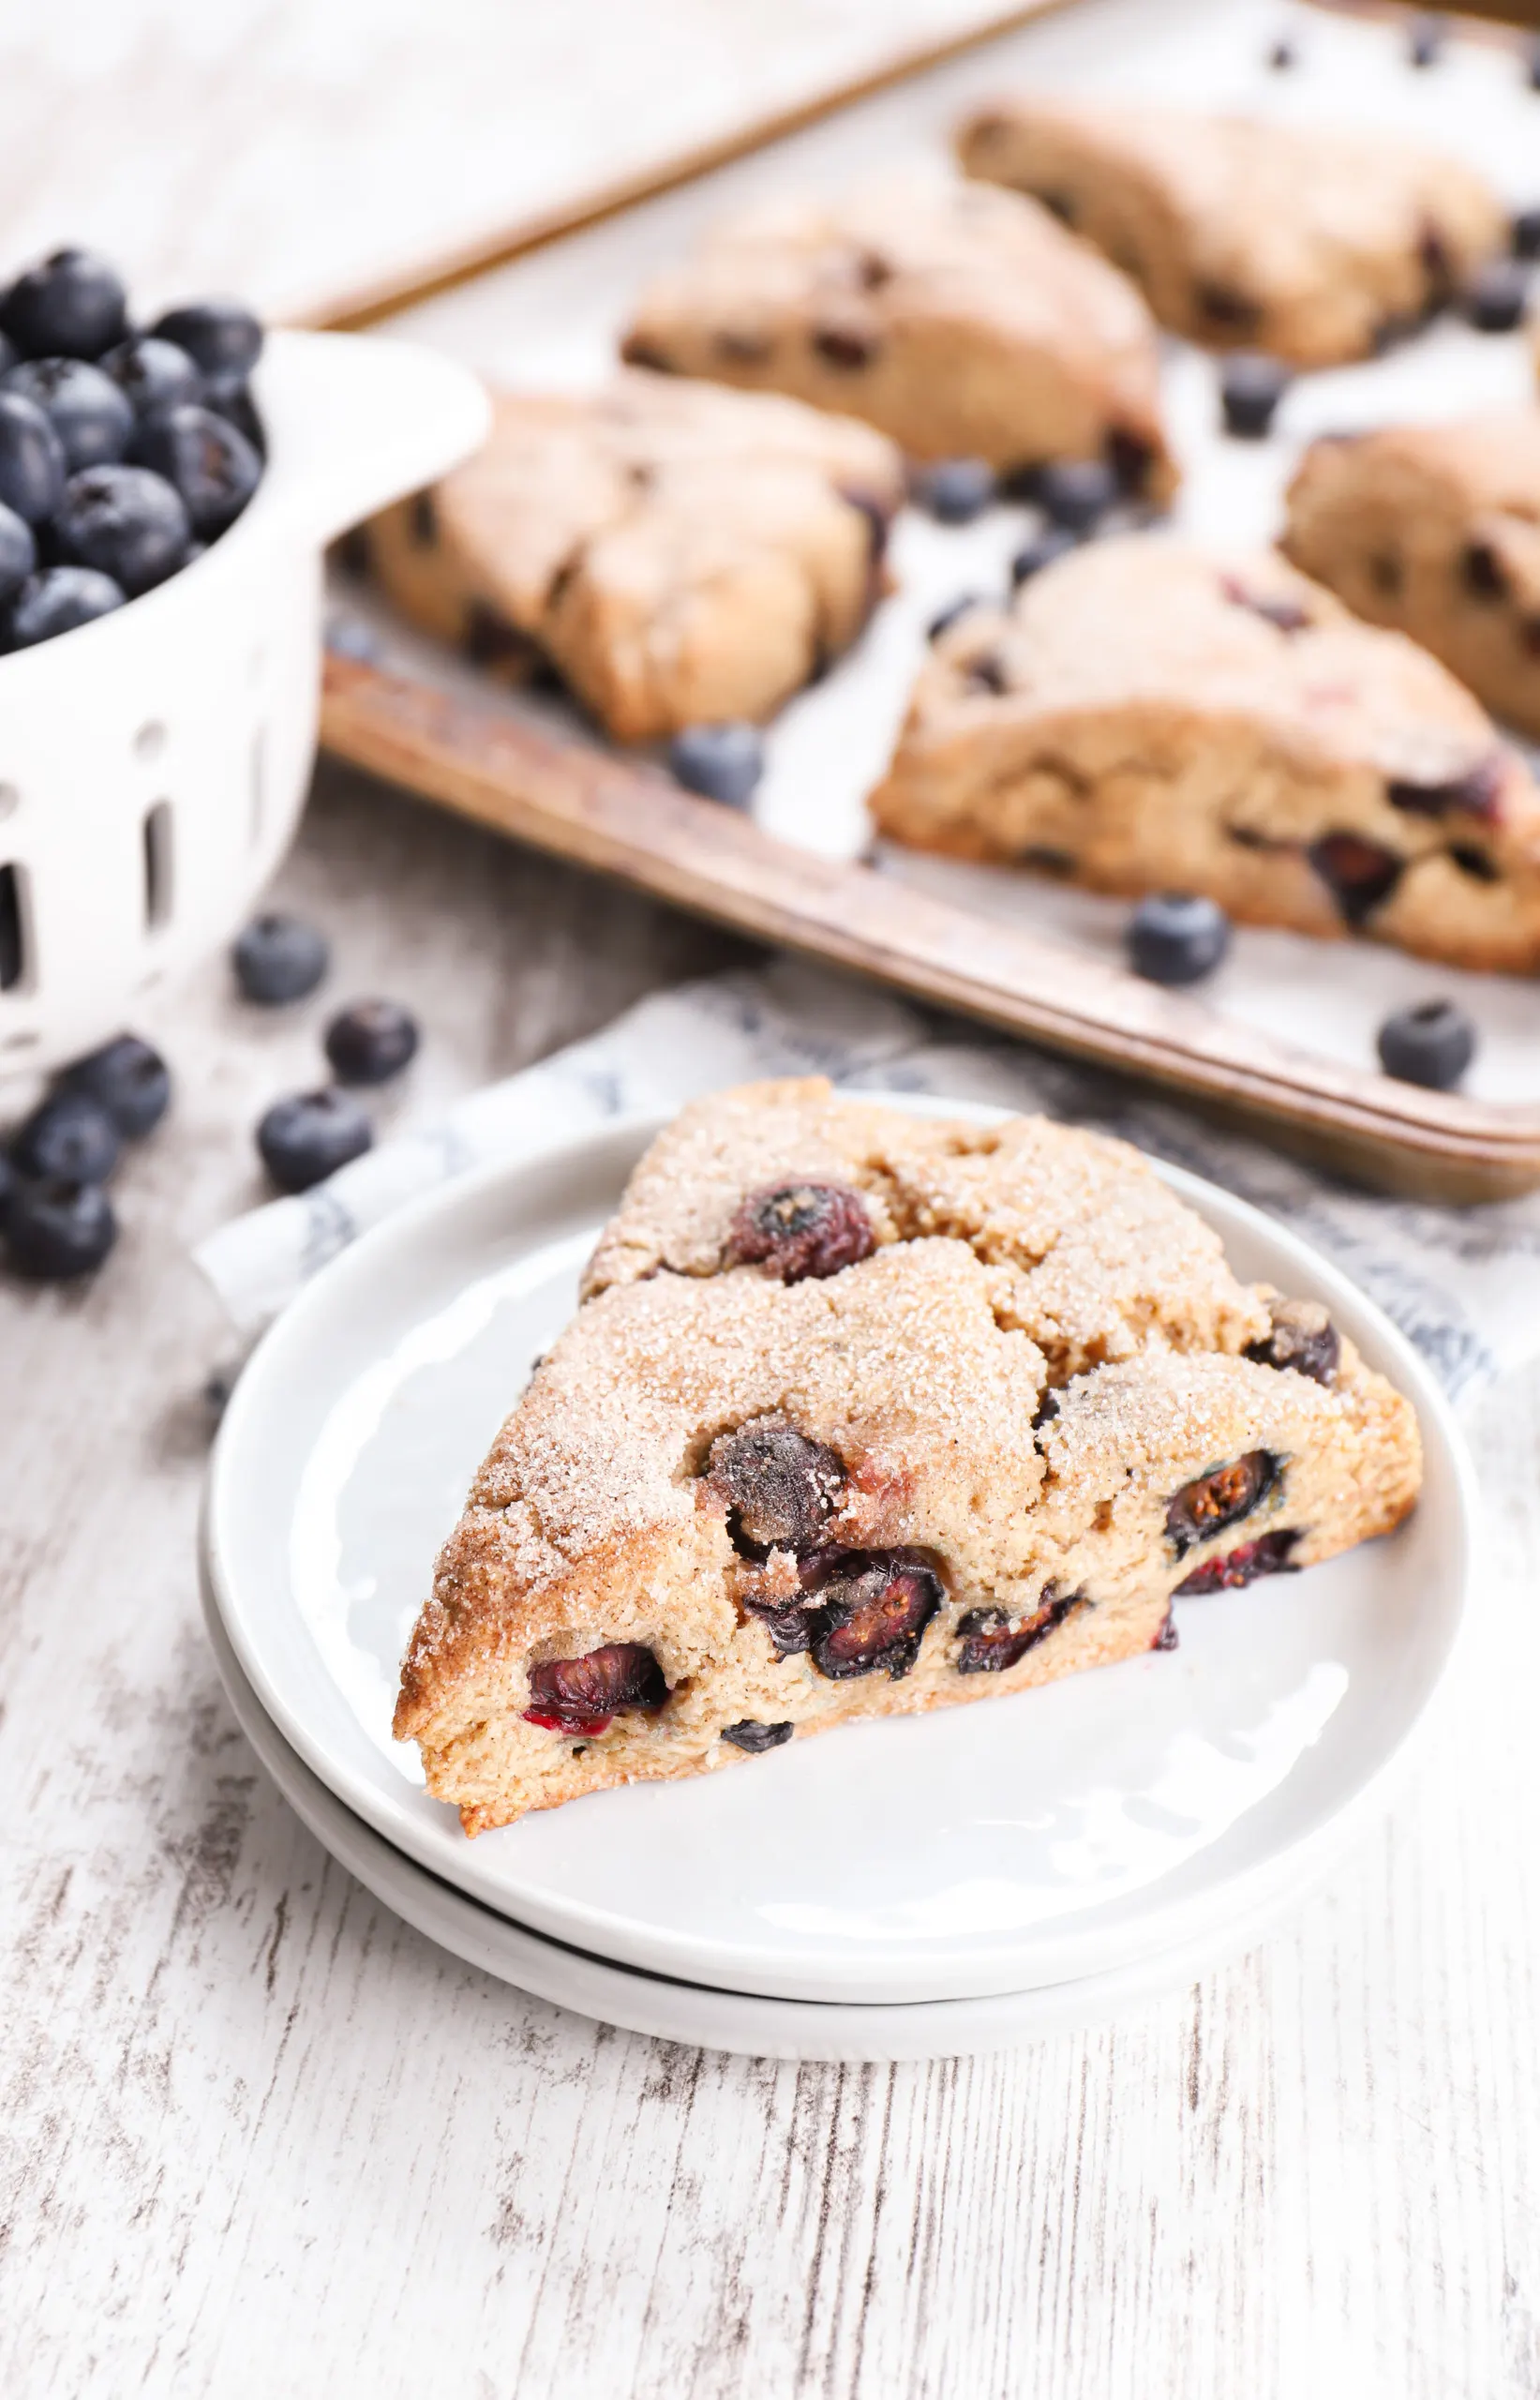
x=919, y=1887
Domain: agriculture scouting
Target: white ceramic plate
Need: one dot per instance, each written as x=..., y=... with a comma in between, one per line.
x=696, y=2012
x=1023, y=1842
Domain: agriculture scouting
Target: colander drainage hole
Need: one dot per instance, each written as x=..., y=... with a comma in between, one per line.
x=13, y=953
x=158, y=866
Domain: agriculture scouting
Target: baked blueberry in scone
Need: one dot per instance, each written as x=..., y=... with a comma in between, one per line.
x=1148, y=717
x=862, y=1415
x=965, y=322
x=1318, y=244
x=676, y=553
x=1435, y=529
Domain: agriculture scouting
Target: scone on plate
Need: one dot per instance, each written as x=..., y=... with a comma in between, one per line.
x=1146, y=717
x=678, y=554
x=864, y=1413
x=1435, y=529
x=965, y=322
x=1316, y=245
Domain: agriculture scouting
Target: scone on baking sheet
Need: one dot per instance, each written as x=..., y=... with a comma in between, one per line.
x=680, y=554
x=1316, y=245
x=1148, y=717
x=1435, y=529
x=865, y=1415
x=962, y=322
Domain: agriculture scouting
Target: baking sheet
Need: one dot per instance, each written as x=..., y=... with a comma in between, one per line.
x=552, y=321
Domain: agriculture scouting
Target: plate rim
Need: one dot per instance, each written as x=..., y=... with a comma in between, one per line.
x=1063, y=1957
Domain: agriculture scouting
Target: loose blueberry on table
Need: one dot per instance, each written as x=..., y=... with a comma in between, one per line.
x=1250, y=387
x=125, y=452
x=55, y=1231
x=1431, y=1044
x=722, y=762
x=68, y=1138
x=278, y=959
x=1176, y=937
x=371, y=1041
x=307, y=1136
x=128, y=1078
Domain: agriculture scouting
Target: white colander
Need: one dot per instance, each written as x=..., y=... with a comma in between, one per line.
x=153, y=764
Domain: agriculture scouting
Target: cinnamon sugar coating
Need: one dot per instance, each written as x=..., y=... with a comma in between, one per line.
x=602, y=1518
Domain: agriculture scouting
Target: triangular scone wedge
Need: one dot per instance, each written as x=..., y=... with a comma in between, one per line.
x=827, y=1470
x=1435, y=529
x=965, y=322
x=677, y=554
x=1149, y=717
x=1313, y=243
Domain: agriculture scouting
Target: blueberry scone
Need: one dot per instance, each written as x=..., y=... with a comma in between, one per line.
x=964, y=322
x=1147, y=717
x=1315, y=245
x=863, y=1415
x=676, y=553
x=1435, y=529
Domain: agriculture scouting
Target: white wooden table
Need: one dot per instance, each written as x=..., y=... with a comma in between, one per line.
x=256, y=2136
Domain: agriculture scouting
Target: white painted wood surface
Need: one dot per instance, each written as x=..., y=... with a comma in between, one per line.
x=256, y=2138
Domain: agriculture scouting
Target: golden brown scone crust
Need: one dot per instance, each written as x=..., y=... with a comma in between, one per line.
x=964, y=322
x=1435, y=529
x=681, y=553
x=1005, y=1433
x=1312, y=244
x=1147, y=716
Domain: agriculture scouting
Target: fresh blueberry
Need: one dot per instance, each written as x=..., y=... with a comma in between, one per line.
x=86, y=408
x=278, y=959
x=1432, y=1045
x=1176, y=937
x=54, y=1231
x=213, y=468
x=234, y=403
x=953, y=613
x=1041, y=552
x=719, y=761
x=308, y=1137
x=1494, y=298
x=129, y=1079
x=72, y=306
x=221, y=338
x=957, y=490
x=1282, y=55
x=1250, y=387
x=371, y=1041
x=32, y=460
x=68, y=1138
x=152, y=374
x=124, y=521
x=1425, y=44
x=18, y=551
x=58, y=600
x=1076, y=492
